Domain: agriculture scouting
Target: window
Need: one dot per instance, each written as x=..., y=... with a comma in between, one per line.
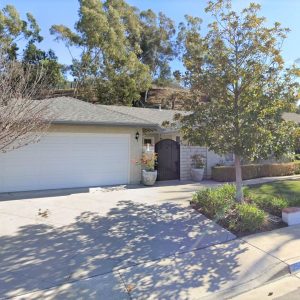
x=148, y=141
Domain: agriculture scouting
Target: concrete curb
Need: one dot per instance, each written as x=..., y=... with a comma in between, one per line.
x=279, y=271
x=294, y=266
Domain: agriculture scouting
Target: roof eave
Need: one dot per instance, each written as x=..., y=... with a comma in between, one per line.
x=110, y=124
x=166, y=130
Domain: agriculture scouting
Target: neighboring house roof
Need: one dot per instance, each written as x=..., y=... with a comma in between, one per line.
x=67, y=110
x=291, y=117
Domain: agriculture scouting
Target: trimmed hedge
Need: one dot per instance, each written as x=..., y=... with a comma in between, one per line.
x=227, y=173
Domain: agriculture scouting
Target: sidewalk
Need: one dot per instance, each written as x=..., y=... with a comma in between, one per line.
x=262, y=180
x=286, y=288
x=221, y=271
x=218, y=272
x=283, y=244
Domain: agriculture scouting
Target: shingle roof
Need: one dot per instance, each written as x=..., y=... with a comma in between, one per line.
x=157, y=116
x=67, y=110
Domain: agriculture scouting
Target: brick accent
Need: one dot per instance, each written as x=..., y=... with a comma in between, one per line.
x=185, y=160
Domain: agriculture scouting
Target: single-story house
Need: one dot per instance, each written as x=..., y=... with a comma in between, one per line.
x=95, y=145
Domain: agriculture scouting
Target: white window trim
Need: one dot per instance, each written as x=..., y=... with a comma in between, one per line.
x=149, y=138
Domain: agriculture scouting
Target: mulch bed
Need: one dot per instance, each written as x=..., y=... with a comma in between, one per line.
x=268, y=226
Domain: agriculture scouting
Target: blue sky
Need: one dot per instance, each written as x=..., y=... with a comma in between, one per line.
x=49, y=12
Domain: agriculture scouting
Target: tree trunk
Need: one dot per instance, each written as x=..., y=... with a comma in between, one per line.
x=238, y=179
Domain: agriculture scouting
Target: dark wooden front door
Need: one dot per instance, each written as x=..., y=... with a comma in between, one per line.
x=168, y=160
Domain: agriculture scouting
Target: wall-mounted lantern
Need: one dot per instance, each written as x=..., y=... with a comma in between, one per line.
x=137, y=135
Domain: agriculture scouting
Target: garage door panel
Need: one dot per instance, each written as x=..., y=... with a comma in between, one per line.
x=67, y=160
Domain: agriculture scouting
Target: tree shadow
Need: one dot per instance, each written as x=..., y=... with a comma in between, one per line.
x=192, y=275
x=42, y=256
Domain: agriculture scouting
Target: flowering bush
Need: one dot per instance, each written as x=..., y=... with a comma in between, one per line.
x=148, y=161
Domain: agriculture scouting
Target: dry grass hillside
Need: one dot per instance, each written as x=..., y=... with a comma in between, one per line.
x=166, y=97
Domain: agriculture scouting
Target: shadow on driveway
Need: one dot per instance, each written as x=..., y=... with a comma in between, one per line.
x=41, y=256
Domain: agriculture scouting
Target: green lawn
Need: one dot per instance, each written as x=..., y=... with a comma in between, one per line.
x=290, y=190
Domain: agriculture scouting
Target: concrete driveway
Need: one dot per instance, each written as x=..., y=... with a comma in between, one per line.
x=76, y=244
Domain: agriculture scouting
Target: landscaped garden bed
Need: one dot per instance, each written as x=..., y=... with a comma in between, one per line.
x=261, y=210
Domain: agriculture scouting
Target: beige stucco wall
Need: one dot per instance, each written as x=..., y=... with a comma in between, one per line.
x=135, y=146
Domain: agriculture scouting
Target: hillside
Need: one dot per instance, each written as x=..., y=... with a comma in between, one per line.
x=166, y=97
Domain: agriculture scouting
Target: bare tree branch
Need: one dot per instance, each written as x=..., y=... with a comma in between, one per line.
x=23, y=118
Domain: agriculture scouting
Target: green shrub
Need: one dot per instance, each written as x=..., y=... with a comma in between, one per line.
x=223, y=173
x=271, y=205
x=294, y=201
x=215, y=202
x=227, y=173
x=248, y=218
x=284, y=169
x=250, y=171
x=247, y=193
x=297, y=167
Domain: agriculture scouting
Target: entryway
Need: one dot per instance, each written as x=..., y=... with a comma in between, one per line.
x=168, y=160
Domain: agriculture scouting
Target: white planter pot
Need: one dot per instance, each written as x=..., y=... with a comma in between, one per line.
x=149, y=177
x=197, y=174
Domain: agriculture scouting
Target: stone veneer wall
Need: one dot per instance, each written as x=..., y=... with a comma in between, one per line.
x=185, y=160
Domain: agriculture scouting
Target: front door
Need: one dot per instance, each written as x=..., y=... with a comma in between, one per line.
x=168, y=160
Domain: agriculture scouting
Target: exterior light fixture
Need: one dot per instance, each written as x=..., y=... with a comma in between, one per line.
x=137, y=135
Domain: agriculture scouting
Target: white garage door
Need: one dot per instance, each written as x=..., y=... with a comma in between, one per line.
x=66, y=161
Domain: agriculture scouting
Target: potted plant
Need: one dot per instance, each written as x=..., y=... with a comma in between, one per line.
x=149, y=174
x=197, y=169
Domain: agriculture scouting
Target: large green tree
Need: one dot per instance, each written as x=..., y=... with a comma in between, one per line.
x=238, y=65
x=109, y=68
x=47, y=60
x=122, y=50
x=13, y=29
x=157, y=44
